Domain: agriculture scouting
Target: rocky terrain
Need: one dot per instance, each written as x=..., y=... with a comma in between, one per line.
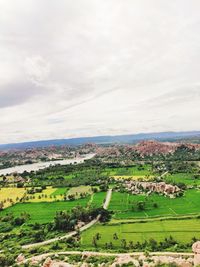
x=145, y=148
x=123, y=259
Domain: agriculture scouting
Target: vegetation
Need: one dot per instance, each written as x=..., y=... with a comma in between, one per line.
x=51, y=202
x=154, y=236
x=125, y=205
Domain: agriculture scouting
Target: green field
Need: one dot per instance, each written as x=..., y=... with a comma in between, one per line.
x=180, y=230
x=186, y=178
x=43, y=212
x=124, y=205
x=59, y=191
x=98, y=199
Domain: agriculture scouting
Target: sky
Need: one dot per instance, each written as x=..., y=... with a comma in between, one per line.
x=96, y=67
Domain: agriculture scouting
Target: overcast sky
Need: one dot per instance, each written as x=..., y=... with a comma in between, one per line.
x=72, y=68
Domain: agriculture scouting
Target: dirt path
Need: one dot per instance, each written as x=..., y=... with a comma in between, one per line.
x=162, y=175
x=73, y=233
x=108, y=198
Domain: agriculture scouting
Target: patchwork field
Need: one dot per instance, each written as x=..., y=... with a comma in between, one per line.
x=80, y=190
x=45, y=195
x=180, y=230
x=60, y=191
x=51, y=194
x=13, y=194
x=125, y=205
x=43, y=212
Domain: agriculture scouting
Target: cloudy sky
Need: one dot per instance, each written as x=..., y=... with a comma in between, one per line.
x=72, y=68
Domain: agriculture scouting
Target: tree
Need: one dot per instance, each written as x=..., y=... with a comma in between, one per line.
x=131, y=244
x=94, y=190
x=115, y=237
x=141, y=205
x=39, y=235
x=94, y=241
x=62, y=221
x=1, y=205
x=98, y=236
x=123, y=243
x=103, y=187
x=155, y=205
x=71, y=197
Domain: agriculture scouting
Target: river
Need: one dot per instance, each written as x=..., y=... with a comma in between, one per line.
x=42, y=165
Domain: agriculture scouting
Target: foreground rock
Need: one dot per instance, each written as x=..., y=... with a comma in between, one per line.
x=196, y=250
x=51, y=263
x=138, y=259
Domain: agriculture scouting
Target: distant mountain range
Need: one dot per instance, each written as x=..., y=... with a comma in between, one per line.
x=124, y=139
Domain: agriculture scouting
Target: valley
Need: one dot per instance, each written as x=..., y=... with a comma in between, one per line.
x=119, y=200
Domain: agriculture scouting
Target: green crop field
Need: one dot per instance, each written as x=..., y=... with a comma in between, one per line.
x=59, y=191
x=181, y=230
x=98, y=199
x=186, y=178
x=125, y=205
x=43, y=212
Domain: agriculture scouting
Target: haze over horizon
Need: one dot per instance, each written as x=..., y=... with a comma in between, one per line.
x=98, y=67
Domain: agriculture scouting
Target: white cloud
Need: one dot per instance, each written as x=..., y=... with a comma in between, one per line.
x=37, y=69
x=80, y=68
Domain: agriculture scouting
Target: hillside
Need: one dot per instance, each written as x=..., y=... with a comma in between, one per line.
x=124, y=139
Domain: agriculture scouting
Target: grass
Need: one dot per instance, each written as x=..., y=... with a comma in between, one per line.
x=181, y=230
x=79, y=190
x=98, y=199
x=59, y=191
x=124, y=205
x=44, y=212
x=11, y=193
x=186, y=178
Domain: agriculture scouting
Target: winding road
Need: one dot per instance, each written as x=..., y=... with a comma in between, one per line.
x=73, y=233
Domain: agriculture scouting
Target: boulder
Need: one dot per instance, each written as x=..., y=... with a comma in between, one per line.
x=196, y=250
